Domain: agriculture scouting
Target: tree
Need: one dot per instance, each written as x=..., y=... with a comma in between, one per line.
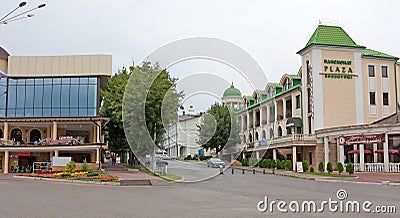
x=305, y=165
x=219, y=129
x=321, y=167
x=329, y=168
x=340, y=168
x=350, y=168
x=288, y=165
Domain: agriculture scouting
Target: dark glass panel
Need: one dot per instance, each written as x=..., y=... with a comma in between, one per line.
x=83, y=96
x=64, y=112
x=84, y=80
x=47, y=96
x=19, y=112
x=39, y=81
x=46, y=112
x=38, y=112
x=73, y=112
x=83, y=111
x=56, y=80
x=38, y=101
x=48, y=81
x=55, y=112
x=75, y=80
x=11, y=112
x=30, y=93
x=20, y=82
x=30, y=82
x=12, y=82
x=65, y=96
x=93, y=80
x=73, y=96
x=66, y=80
x=92, y=96
x=29, y=112
x=21, y=97
x=92, y=112
x=56, y=96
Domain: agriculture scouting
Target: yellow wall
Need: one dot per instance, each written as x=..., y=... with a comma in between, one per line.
x=339, y=96
x=3, y=65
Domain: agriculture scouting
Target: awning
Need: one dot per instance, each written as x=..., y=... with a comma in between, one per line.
x=391, y=151
x=294, y=121
x=358, y=152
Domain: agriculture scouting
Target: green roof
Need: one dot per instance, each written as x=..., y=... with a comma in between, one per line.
x=331, y=36
x=294, y=76
x=377, y=54
x=232, y=92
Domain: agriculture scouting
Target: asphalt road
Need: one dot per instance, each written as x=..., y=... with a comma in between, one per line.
x=191, y=171
x=223, y=196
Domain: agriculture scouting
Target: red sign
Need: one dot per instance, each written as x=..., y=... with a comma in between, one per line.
x=361, y=139
x=23, y=154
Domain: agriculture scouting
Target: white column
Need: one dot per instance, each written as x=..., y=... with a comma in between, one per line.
x=337, y=150
x=248, y=121
x=268, y=111
x=56, y=153
x=258, y=155
x=326, y=151
x=243, y=156
x=293, y=104
x=54, y=134
x=274, y=154
x=253, y=118
x=51, y=155
x=375, y=147
x=294, y=157
x=386, y=153
x=241, y=116
x=276, y=110
x=341, y=150
x=261, y=116
x=361, y=157
x=6, y=160
x=355, y=155
x=5, y=131
x=98, y=155
x=284, y=107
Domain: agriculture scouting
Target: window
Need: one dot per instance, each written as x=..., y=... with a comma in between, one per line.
x=371, y=70
x=297, y=101
x=384, y=72
x=385, y=98
x=287, y=84
x=372, y=98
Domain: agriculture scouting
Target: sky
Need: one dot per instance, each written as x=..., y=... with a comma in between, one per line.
x=271, y=32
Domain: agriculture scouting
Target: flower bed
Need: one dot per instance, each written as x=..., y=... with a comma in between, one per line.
x=77, y=175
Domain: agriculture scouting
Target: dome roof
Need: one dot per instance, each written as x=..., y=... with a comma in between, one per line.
x=232, y=92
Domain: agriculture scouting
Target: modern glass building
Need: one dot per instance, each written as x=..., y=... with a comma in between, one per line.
x=53, y=97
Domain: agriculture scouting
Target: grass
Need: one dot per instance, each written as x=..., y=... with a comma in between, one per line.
x=329, y=175
x=168, y=177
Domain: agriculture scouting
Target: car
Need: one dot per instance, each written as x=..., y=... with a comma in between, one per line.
x=215, y=162
x=159, y=162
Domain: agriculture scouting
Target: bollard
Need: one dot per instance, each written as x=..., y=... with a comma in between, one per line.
x=221, y=169
x=232, y=170
x=254, y=171
x=264, y=171
x=242, y=171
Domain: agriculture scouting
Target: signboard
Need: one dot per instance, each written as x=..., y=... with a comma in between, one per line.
x=361, y=139
x=339, y=69
x=23, y=154
x=118, y=160
x=299, y=166
x=60, y=161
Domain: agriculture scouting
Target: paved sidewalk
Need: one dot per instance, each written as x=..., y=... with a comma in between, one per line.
x=360, y=177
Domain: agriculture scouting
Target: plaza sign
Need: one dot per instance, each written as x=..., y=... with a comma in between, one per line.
x=340, y=69
x=361, y=139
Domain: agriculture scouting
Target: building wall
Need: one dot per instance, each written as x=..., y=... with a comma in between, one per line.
x=3, y=65
x=53, y=66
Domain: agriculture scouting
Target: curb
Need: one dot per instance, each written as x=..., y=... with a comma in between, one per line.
x=66, y=180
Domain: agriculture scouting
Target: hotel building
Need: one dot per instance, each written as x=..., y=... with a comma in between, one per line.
x=341, y=106
x=53, y=97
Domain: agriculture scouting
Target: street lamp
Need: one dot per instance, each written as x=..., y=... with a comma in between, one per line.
x=6, y=19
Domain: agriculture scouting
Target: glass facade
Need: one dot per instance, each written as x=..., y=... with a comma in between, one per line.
x=49, y=97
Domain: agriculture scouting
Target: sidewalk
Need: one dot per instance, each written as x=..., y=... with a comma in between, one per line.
x=360, y=177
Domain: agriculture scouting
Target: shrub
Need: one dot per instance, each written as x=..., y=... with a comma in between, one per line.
x=93, y=174
x=329, y=167
x=273, y=164
x=195, y=157
x=85, y=167
x=321, y=167
x=268, y=163
x=340, y=168
x=311, y=169
x=350, y=168
x=305, y=165
x=245, y=162
x=289, y=165
x=203, y=157
x=189, y=157
x=70, y=168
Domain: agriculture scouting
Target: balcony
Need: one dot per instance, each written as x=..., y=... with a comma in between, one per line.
x=294, y=137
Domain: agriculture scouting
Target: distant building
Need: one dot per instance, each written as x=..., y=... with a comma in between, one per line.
x=232, y=98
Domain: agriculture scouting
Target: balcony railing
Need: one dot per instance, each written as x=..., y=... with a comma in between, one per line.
x=294, y=137
x=378, y=167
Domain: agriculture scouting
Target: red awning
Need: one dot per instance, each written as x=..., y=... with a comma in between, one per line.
x=391, y=151
x=358, y=152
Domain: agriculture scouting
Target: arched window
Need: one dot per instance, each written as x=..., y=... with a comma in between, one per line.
x=35, y=135
x=264, y=134
x=288, y=130
x=288, y=84
x=250, y=138
x=271, y=133
x=16, y=135
x=270, y=92
x=256, y=136
x=279, y=131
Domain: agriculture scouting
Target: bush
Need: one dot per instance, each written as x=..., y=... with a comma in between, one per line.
x=70, y=168
x=189, y=157
x=203, y=157
x=321, y=167
x=93, y=174
x=85, y=167
x=274, y=164
x=305, y=165
x=311, y=169
x=245, y=162
x=340, y=168
x=195, y=157
x=268, y=163
x=329, y=168
x=350, y=168
x=289, y=165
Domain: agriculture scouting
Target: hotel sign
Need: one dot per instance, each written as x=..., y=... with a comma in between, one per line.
x=339, y=69
x=361, y=139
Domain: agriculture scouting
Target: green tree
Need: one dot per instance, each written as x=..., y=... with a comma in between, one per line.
x=219, y=129
x=305, y=165
x=350, y=168
x=288, y=165
x=321, y=167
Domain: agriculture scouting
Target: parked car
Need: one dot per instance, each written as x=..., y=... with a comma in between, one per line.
x=159, y=162
x=215, y=162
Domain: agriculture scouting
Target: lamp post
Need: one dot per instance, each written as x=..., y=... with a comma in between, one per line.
x=6, y=19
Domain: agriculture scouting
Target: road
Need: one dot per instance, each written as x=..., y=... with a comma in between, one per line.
x=223, y=196
x=191, y=171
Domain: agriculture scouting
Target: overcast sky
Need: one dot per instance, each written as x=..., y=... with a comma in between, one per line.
x=270, y=31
